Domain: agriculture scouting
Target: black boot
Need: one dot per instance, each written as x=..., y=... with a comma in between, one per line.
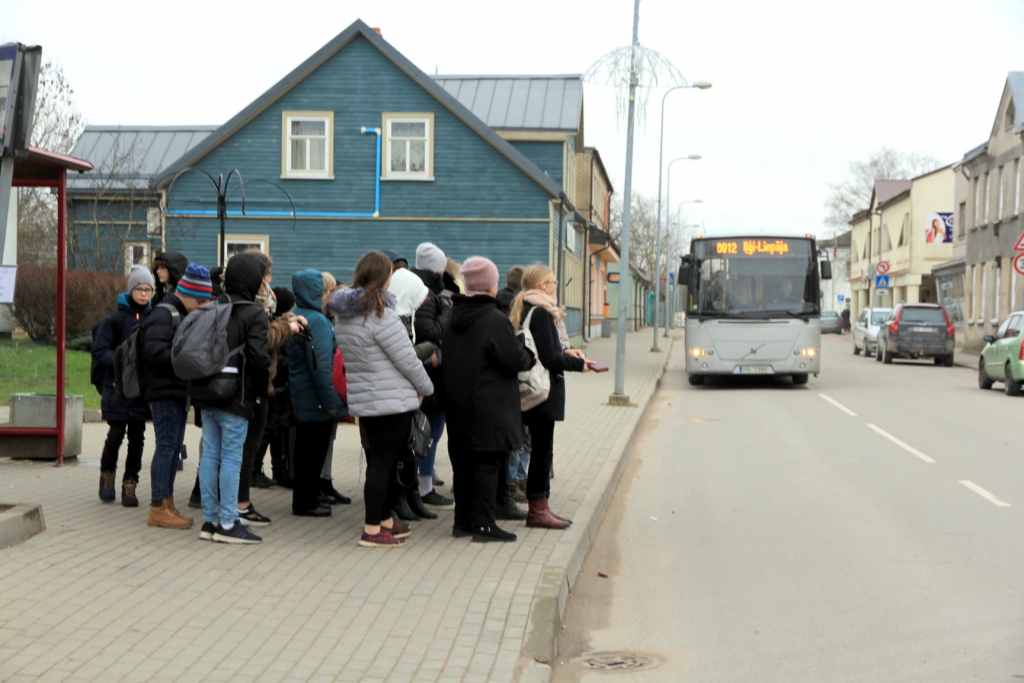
x=510, y=511
x=492, y=534
x=331, y=495
x=403, y=512
x=107, y=493
x=416, y=505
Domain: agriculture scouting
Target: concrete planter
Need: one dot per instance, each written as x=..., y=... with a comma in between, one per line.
x=18, y=523
x=40, y=410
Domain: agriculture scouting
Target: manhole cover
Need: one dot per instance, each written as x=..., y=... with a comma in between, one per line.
x=615, y=661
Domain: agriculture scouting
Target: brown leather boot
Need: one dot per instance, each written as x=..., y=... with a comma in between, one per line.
x=178, y=512
x=164, y=515
x=540, y=516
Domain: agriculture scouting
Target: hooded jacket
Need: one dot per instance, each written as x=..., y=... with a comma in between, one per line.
x=483, y=359
x=384, y=375
x=108, y=338
x=309, y=363
x=552, y=357
x=176, y=264
x=410, y=293
x=433, y=316
x=247, y=327
x=157, y=336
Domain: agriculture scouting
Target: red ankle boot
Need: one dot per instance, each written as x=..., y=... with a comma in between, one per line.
x=540, y=516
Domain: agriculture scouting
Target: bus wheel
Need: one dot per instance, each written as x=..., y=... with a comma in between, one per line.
x=800, y=378
x=696, y=380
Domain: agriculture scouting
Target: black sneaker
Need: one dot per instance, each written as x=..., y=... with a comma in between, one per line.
x=238, y=534
x=436, y=480
x=250, y=517
x=195, y=501
x=461, y=531
x=261, y=481
x=207, y=532
x=491, y=534
x=436, y=500
x=510, y=511
x=107, y=493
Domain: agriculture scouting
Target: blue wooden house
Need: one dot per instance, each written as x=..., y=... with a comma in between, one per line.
x=358, y=149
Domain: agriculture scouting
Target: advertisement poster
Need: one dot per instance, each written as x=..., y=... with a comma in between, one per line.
x=8, y=54
x=938, y=228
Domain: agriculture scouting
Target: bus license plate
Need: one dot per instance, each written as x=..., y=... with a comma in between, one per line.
x=753, y=370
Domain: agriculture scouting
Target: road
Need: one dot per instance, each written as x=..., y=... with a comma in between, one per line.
x=865, y=527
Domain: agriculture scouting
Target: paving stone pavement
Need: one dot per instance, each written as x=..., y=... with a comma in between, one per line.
x=101, y=596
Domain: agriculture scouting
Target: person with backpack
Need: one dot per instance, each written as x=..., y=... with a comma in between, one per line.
x=482, y=361
x=279, y=406
x=167, y=394
x=132, y=308
x=536, y=310
x=168, y=268
x=386, y=386
x=227, y=412
x=315, y=402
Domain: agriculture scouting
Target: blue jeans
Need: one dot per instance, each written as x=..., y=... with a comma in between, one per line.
x=223, y=438
x=519, y=460
x=169, y=418
x=436, y=432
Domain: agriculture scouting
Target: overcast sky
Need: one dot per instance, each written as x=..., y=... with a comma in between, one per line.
x=800, y=88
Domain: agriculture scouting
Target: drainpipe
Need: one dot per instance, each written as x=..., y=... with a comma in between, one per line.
x=163, y=220
x=561, y=244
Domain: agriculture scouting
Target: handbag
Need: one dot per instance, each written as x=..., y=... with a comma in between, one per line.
x=419, y=435
x=535, y=383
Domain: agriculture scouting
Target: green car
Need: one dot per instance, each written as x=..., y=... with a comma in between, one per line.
x=1002, y=359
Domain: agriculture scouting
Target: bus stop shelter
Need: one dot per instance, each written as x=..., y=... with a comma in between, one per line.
x=42, y=168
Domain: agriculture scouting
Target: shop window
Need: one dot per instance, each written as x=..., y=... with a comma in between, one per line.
x=307, y=149
x=408, y=147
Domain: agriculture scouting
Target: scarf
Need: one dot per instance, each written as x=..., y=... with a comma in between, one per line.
x=267, y=299
x=538, y=297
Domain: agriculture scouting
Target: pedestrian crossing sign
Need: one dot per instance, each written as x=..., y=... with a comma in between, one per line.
x=881, y=282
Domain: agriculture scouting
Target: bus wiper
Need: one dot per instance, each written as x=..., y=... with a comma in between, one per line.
x=798, y=316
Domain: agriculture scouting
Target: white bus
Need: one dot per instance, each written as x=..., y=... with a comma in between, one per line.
x=753, y=307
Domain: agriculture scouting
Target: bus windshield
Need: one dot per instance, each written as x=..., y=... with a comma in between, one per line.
x=747, y=277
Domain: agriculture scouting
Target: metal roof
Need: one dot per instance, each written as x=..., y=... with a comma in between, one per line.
x=356, y=29
x=1015, y=82
x=128, y=156
x=887, y=189
x=549, y=103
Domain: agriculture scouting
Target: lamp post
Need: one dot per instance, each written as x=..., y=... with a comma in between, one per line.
x=700, y=85
x=680, y=252
x=657, y=247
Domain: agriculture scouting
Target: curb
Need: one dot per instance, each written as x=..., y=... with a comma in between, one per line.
x=20, y=523
x=561, y=571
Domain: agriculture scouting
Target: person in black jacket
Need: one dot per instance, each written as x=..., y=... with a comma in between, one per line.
x=429, y=325
x=482, y=362
x=226, y=421
x=132, y=307
x=166, y=394
x=538, y=298
x=168, y=268
x=513, y=285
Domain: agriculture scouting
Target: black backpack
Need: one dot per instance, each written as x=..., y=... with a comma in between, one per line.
x=129, y=376
x=97, y=371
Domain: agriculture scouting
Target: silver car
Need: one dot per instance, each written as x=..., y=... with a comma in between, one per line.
x=831, y=323
x=865, y=330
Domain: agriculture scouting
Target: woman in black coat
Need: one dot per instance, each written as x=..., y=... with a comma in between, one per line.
x=482, y=361
x=538, y=298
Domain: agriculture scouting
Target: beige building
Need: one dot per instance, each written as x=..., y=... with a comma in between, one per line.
x=594, y=201
x=908, y=229
x=989, y=199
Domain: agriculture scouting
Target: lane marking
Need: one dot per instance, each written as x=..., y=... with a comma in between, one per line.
x=905, y=446
x=839, y=405
x=984, y=494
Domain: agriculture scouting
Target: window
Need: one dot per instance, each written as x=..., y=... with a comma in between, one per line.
x=999, y=206
x=136, y=254
x=1010, y=115
x=1014, y=328
x=307, y=149
x=988, y=194
x=961, y=219
x=153, y=222
x=1016, y=187
x=1001, y=332
x=236, y=244
x=977, y=201
x=408, y=147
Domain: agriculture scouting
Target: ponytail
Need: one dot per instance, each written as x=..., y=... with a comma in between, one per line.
x=516, y=314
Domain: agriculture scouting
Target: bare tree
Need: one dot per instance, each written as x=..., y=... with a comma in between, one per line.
x=854, y=194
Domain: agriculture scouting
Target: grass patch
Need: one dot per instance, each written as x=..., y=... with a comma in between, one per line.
x=29, y=367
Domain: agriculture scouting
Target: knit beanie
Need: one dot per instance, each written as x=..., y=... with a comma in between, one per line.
x=196, y=282
x=430, y=257
x=480, y=275
x=139, y=275
x=285, y=300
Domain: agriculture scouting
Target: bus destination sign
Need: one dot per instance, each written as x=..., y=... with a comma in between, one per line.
x=752, y=247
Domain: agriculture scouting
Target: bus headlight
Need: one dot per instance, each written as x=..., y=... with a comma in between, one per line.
x=697, y=353
x=810, y=353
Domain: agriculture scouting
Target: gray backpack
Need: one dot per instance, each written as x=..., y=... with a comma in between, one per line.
x=200, y=347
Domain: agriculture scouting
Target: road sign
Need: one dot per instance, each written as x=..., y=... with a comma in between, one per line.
x=1020, y=243
x=1018, y=263
x=842, y=298
x=881, y=282
x=882, y=267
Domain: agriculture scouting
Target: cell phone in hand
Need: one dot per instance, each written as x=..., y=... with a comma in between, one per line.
x=597, y=366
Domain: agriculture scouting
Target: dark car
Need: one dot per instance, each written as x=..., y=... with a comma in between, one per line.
x=831, y=323
x=917, y=331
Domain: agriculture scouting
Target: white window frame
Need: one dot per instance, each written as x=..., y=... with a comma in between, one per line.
x=1016, y=188
x=388, y=118
x=129, y=247
x=289, y=117
x=999, y=208
x=260, y=241
x=988, y=194
x=977, y=201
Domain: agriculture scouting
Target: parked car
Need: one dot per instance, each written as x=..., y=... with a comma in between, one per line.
x=865, y=330
x=917, y=331
x=1002, y=359
x=831, y=323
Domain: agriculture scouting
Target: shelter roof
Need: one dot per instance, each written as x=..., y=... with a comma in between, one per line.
x=42, y=164
x=543, y=103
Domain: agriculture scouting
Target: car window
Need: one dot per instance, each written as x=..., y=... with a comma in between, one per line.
x=1013, y=329
x=829, y=314
x=879, y=317
x=893, y=313
x=915, y=314
x=863, y=317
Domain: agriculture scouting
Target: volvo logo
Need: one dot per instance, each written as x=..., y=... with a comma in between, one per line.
x=753, y=350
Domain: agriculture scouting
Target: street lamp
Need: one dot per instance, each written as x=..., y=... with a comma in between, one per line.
x=680, y=251
x=700, y=85
x=657, y=248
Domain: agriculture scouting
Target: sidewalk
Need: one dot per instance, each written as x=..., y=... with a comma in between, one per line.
x=101, y=596
x=967, y=360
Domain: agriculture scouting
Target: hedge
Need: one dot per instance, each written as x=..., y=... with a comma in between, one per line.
x=90, y=297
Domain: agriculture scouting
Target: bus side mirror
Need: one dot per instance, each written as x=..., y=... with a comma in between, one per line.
x=826, y=270
x=684, y=272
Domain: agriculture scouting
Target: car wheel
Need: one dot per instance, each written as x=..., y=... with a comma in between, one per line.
x=800, y=378
x=1010, y=385
x=886, y=356
x=939, y=360
x=696, y=380
x=856, y=349
x=878, y=352
x=947, y=361
x=983, y=381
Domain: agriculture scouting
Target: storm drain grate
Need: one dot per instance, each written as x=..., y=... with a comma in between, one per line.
x=615, y=661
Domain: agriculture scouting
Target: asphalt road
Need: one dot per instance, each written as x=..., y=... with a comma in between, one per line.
x=866, y=527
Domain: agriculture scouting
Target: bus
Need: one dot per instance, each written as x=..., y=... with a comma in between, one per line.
x=753, y=307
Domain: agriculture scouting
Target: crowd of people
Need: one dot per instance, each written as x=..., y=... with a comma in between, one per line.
x=398, y=350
